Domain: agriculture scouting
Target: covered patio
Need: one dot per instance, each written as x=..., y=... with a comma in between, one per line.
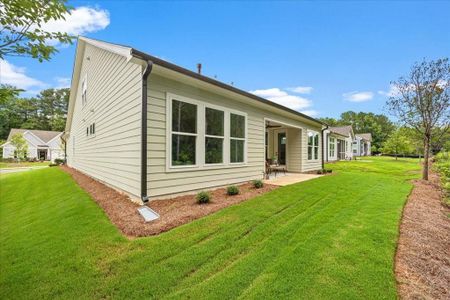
x=283, y=149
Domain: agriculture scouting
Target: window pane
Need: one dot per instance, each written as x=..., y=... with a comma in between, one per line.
x=316, y=140
x=310, y=138
x=236, y=151
x=183, y=150
x=309, y=152
x=184, y=117
x=316, y=152
x=237, y=126
x=214, y=121
x=213, y=150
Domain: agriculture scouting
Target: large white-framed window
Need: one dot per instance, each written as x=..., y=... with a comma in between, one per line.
x=332, y=147
x=237, y=138
x=183, y=137
x=313, y=145
x=214, y=136
x=84, y=91
x=201, y=135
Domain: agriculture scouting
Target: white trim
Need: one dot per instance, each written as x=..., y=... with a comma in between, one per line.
x=307, y=146
x=117, y=49
x=200, y=136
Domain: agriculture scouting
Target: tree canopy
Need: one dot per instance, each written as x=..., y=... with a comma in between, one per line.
x=46, y=111
x=23, y=32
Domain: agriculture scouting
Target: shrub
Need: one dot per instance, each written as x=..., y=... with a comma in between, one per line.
x=53, y=165
x=257, y=184
x=59, y=161
x=232, y=190
x=329, y=171
x=203, y=197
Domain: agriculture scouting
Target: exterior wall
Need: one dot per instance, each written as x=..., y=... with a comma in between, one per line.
x=8, y=150
x=164, y=181
x=114, y=97
x=293, y=149
x=55, y=150
x=359, y=147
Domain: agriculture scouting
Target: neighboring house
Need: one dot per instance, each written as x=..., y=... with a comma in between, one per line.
x=362, y=144
x=153, y=129
x=42, y=144
x=338, y=142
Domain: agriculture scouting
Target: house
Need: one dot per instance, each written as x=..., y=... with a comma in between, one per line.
x=153, y=129
x=42, y=144
x=338, y=142
x=362, y=144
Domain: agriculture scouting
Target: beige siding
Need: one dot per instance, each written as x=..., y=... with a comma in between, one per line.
x=163, y=181
x=114, y=89
x=294, y=146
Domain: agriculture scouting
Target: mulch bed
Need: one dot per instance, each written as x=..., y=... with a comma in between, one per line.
x=173, y=212
x=422, y=262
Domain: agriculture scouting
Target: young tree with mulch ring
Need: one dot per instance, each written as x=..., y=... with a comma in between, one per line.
x=421, y=101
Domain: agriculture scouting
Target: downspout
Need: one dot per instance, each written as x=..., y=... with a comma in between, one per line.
x=323, y=144
x=147, y=71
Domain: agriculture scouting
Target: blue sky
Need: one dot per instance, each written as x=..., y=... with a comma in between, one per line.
x=322, y=58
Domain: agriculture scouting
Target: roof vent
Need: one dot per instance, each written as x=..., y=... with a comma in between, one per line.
x=199, y=68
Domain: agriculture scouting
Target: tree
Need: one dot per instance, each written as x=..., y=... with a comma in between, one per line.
x=22, y=28
x=397, y=143
x=19, y=142
x=47, y=111
x=422, y=101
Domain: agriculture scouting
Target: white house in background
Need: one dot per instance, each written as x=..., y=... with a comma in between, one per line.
x=154, y=129
x=362, y=144
x=339, y=143
x=42, y=144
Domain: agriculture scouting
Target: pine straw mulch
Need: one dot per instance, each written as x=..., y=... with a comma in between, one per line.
x=173, y=212
x=422, y=262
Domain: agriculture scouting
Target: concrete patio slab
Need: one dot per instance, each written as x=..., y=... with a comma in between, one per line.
x=291, y=178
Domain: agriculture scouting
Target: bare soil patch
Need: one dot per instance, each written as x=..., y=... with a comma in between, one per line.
x=173, y=212
x=422, y=262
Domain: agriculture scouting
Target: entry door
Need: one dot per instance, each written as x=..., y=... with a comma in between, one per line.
x=42, y=154
x=281, y=147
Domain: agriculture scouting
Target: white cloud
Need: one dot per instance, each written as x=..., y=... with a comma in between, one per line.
x=310, y=112
x=356, y=96
x=283, y=98
x=62, y=82
x=16, y=76
x=392, y=92
x=80, y=21
x=301, y=89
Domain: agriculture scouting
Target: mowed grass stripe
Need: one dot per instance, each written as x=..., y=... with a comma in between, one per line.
x=333, y=237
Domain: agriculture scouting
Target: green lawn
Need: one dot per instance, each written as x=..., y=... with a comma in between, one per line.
x=333, y=237
x=4, y=165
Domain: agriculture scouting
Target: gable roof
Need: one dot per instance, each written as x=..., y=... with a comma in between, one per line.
x=129, y=53
x=44, y=135
x=342, y=130
x=365, y=136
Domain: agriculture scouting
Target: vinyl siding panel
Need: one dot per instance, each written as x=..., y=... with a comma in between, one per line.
x=163, y=181
x=294, y=148
x=114, y=89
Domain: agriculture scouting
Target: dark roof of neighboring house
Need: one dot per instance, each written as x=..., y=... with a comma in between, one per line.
x=44, y=135
x=342, y=130
x=365, y=136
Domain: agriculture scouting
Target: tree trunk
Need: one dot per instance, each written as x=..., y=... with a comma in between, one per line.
x=426, y=157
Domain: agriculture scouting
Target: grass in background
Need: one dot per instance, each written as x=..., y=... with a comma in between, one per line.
x=332, y=237
x=4, y=165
